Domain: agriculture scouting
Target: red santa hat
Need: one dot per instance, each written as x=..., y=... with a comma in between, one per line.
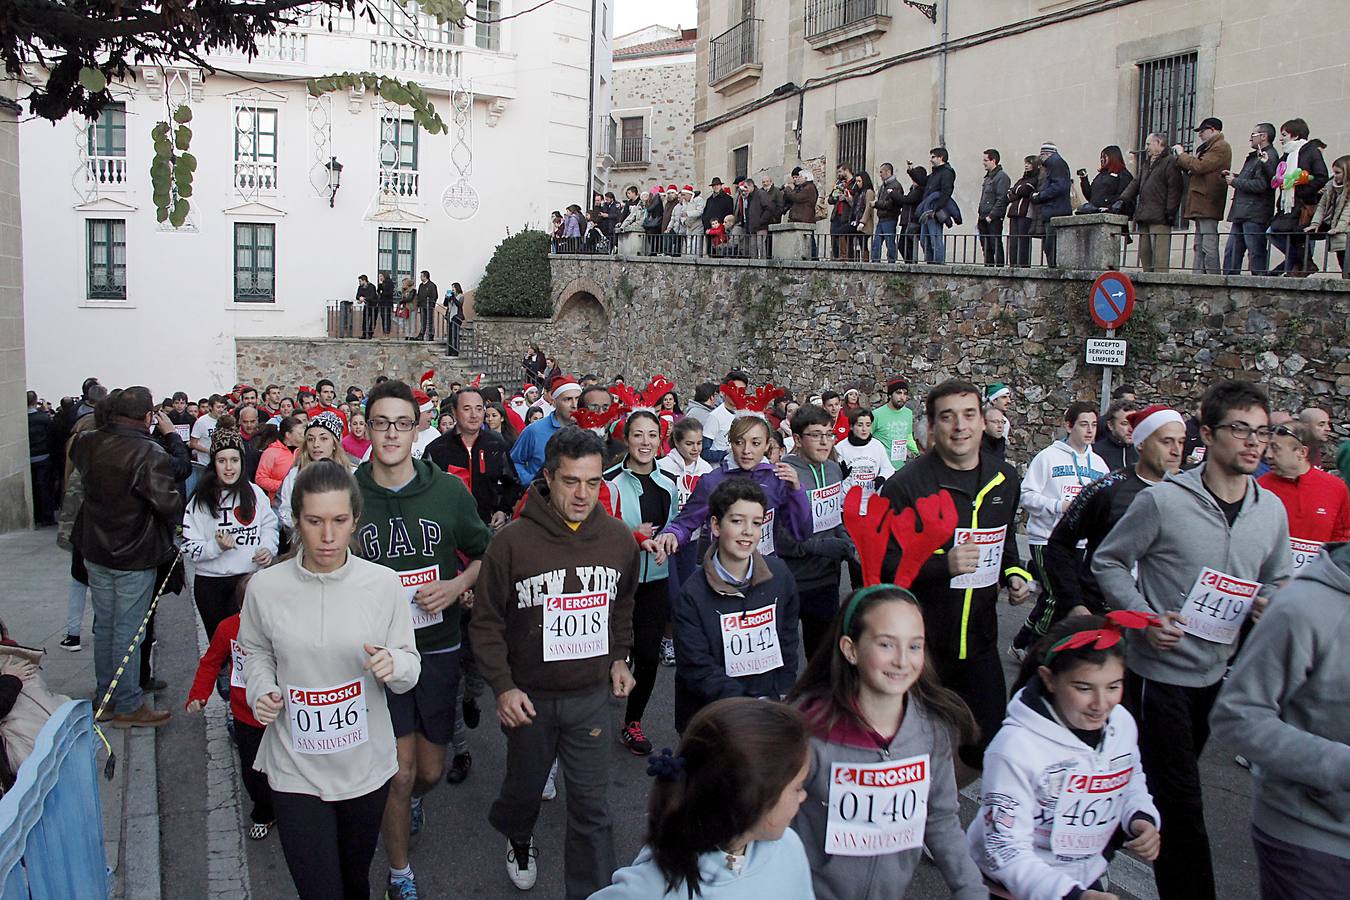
x=424, y=403
x=561, y=384
x=1149, y=419
x=687, y=189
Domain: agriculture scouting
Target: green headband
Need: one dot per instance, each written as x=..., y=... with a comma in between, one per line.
x=864, y=593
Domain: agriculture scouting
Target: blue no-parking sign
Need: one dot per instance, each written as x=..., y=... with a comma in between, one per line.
x=1112, y=299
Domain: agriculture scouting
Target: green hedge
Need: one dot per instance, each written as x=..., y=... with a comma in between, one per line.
x=516, y=282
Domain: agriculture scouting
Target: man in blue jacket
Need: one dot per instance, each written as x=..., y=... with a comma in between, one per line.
x=1053, y=197
x=528, y=452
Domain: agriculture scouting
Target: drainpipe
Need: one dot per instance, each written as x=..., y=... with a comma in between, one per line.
x=942, y=79
x=590, y=121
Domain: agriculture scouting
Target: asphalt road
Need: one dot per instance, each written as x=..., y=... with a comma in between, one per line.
x=459, y=855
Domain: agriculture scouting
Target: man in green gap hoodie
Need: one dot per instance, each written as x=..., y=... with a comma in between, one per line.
x=423, y=524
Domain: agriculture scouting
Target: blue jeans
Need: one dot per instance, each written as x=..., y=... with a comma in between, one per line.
x=121, y=600
x=934, y=247
x=198, y=470
x=1246, y=237
x=885, y=233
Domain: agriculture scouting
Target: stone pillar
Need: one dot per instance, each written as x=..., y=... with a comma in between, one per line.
x=632, y=243
x=791, y=240
x=16, y=505
x=1089, y=243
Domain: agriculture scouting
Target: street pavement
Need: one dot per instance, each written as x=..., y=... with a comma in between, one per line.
x=202, y=807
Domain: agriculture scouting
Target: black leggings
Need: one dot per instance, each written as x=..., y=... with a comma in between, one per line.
x=651, y=611
x=329, y=845
x=215, y=599
x=979, y=681
x=246, y=741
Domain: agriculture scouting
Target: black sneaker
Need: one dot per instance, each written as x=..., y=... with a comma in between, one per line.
x=472, y=714
x=633, y=738
x=459, y=768
x=71, y=642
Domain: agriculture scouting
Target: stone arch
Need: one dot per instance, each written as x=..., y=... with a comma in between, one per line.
x=588, y=290
x=583, y=312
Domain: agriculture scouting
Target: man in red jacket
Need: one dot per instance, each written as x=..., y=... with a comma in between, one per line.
x=1318, y=503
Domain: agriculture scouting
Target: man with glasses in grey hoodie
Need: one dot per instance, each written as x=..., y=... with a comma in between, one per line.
x=1210, y=545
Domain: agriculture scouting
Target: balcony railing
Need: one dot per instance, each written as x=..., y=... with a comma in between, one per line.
x=392, y=55
x=399, y=183
x=824, y=16
x=107, y=172
x=284, y=46
x=255, y=177
x=734, y=49
x=633, y=151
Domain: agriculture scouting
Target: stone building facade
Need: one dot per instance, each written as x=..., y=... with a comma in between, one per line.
x=16, y=508
x=788, y=82
x=650, y=130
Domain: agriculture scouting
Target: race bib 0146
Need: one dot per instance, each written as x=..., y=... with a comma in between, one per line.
x=414, y=579
x=576, y=626
x=877, y=808
x=750, y=641
x=1217, y=606
x=327, y=720
x=990, y=542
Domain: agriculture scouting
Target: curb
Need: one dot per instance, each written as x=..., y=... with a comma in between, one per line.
x=140, y=845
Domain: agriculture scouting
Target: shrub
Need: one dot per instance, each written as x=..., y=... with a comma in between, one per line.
x=516, y=282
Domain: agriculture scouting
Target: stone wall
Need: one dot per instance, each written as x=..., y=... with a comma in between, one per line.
x=295, y=361
x=665, y=92
x=16, y=508
x=817, y=325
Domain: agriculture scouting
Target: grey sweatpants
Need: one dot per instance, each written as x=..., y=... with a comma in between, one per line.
x=1291, y=872
x=573, y=729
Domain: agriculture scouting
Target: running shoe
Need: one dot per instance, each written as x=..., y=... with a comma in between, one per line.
x=401, y=889
x=459, y=768
x=667, y=651
x=633, y=738
x=417, y=817
x=1016, y=653
x=521, y=867
x=551, y=786
x=71, y=642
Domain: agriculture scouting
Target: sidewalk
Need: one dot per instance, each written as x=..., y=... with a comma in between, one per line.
x=34, y=611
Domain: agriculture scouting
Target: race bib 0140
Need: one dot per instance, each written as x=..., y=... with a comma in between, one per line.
x=576, y=626
x=414, y=579
x=1217, y=606
x=877, y=808
x=750, y=641
x=990, y=542
x=327, y=720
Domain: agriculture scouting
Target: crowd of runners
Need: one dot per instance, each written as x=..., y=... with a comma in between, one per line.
x=365, y=567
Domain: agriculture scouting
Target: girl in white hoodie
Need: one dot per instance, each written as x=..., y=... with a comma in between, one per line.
x=1063, y=787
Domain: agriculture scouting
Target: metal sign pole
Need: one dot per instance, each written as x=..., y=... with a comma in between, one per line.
x=1106, y=378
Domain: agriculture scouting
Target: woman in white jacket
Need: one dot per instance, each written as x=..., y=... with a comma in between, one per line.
x=229, y=530
x=323, y=440
x=1063, y=786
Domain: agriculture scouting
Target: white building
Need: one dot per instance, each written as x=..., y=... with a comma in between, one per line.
x=111, y=292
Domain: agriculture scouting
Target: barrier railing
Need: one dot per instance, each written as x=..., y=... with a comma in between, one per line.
x=51, y=822
x=347, y=319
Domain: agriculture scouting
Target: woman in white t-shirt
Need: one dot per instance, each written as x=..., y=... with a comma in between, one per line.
x=865, y=460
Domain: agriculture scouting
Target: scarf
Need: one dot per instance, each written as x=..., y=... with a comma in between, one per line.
x=1284, y=201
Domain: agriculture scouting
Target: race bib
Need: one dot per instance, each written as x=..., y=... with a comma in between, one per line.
x=1217, y=606
x=827, y=507
x=184, y=432
x=237, y=656
x=766, y=535
x=576, y=626
x=990, y=542
x=750, y=641
x=1304, y=552
x=1069, y=492
x=877, y=808
x=414, y=579
x=327, y=720
x=684, y=489
x=899, y=450
x=1087, y=813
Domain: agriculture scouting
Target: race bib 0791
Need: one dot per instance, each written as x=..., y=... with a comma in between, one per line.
x=877, y=808
x=327, y=720
x=412, y=580
x=827, y=507
x=1217, y=606
x=990, y=541
x=576, y=626
x=1304, y=551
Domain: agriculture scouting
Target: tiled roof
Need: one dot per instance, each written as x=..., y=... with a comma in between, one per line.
x=666, y=47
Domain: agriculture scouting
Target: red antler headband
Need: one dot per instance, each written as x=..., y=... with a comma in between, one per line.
x=872, y=532
x=1102, y=638
x=761, y=400
x=586, y=418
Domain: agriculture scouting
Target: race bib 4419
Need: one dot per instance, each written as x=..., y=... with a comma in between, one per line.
x=1217, y=606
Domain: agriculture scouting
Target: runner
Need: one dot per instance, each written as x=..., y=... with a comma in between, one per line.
x=866, y=461
x=881, y=739
x=229, y=530
x=893, y=423
x=736, y=622
x=324, y=630
x=718, y=815
x=552, y=626
x=1159, y=435
x=1210, y=544
x=1317, y=502
x=529, y=449
x=1063, y=786
x=995, y=427
x=684, y=466
x=1114, y=444
x=427, y=432
x=958, y=586
x=814, y=562
x=1057, y=475
x=323, y=434
x=1000, y=397
x=645, y=499
x=717, y=426
x=279, y=458
x=424, y=525
x=479, y=457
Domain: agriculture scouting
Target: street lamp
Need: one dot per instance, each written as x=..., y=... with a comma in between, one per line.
x=334, y=179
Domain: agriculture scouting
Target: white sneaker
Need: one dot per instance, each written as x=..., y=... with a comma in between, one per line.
x=522, y=872
x=667, y=651
x=551, y=786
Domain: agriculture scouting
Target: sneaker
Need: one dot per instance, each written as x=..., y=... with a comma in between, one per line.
x=459, y=768
x=1016, y=653
x=400, y=889
x=417, y=818
x=551, y=786
x=71, y=642
x=1242, y=761
x=472, y=714
x=145, y=717
x=520, y=864
x=633, y=738
x=667, y=651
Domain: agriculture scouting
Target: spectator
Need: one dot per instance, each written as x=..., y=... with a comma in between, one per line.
x=454, y=316
x=888, y=207
x=39, y=462
x=1253, y=204
x=717, y=206
x=407, y=299
x=1022, y=213
x=1052, y=196
x=1332, y=216
x=692, y=227
x=773, y=196
x=759, y=210
x=934, y=213
x=1295, y=202
x=1156, y=195
x=26, y=703
x=651, y=220
x=384, y=303
x=124, y=530
x=1207, y=191
x=801, y=196
x=864, y=216
x=573, y=224
x=427, y=295
x=366, y=300
x=841, y=213
x=1109, y=183
x=631, y=198
x=993, y=208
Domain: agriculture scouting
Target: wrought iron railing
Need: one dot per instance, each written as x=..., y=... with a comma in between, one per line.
x=824, y=16
x=736, y=47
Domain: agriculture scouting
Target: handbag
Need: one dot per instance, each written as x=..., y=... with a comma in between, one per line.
x=1305, y=215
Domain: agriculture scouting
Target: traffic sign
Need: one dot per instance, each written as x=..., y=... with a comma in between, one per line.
x=1105, y=352
x=1112, y=299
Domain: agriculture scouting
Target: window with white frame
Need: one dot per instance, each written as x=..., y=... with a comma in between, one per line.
x=488, y=29
x=407, y=21
x=255, y=148
x=254, y=262
x=396, y=253
x=106, y=259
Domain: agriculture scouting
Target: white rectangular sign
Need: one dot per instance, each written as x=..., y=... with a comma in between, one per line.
x=1105, y=352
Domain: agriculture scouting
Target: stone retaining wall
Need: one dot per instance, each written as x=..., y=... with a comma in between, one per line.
x=294, y=361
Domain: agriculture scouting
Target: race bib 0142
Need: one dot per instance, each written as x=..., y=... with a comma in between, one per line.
x=750, y=641
x=877, y=808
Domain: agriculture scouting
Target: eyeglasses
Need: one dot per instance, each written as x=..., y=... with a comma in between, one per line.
x=1242, y=431
x=1286, y=431
x=380, y=423
x=598, y=407
x=817, y=435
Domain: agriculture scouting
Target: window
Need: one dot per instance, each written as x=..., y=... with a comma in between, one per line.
x=740, y=162
x=633, y=139
x=852, y=145
x=255, y=134
x=254, y=263
x=408, y=21
x=107, y=259
x=1167, y=100
x=108, y=133
x=398, y=144
x=488, y=30
x=397, y=253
